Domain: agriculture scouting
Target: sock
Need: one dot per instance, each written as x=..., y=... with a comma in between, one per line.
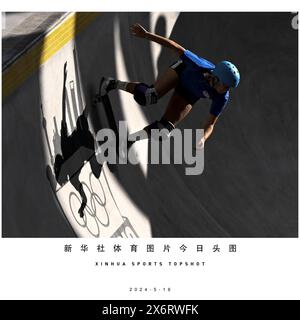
x=121, y=85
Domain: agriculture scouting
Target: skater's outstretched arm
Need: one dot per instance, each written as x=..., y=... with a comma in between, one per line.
x=208, y=130
x=138, y=31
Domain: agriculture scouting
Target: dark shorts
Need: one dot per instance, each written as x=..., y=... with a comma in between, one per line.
x=179, y=67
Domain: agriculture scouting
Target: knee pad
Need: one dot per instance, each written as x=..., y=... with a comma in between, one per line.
x=145, y=95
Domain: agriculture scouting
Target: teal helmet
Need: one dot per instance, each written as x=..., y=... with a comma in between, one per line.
x=227, y=73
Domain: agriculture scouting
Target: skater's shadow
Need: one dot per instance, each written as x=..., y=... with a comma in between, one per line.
x=77, y=149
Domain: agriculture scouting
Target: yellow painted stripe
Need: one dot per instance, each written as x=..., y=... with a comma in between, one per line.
x=40, y=53
x=31, y=61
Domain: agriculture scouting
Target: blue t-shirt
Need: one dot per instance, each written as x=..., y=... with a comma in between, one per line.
x=196, y=87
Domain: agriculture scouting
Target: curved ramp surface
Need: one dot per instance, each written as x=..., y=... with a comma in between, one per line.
x=249, y=184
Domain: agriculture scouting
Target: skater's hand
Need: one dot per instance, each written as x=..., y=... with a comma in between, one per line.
x=200, y=144
x=138, y=31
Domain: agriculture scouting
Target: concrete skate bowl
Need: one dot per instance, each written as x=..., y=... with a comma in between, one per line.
x=249, y=184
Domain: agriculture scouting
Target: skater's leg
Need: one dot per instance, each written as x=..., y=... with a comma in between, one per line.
x=177, y=109
x=163, y=84
x=109, y=84
x=129, y=86
x=146, y=95
x=166, y=82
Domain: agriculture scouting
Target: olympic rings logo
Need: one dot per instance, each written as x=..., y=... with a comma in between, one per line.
x=96, y=215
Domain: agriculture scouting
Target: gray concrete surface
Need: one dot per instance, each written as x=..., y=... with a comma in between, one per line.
x=249, y=185
x=21, y=29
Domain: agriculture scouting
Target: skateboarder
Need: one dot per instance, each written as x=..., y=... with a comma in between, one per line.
x=191, y=76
